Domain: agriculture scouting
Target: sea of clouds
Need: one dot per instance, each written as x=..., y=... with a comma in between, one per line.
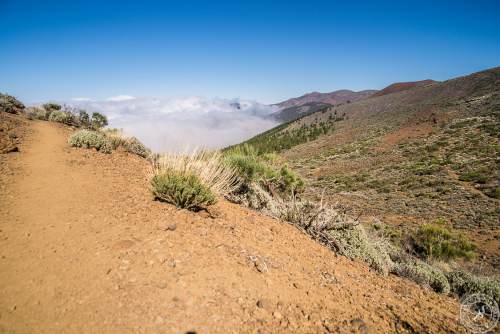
x=183, y=124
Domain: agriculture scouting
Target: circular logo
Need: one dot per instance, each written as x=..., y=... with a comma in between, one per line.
x=479, y=313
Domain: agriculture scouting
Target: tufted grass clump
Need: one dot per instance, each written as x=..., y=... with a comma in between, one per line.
x=249, y=168
x=90, y=139
x=192, y=181
x=185, y=191
x=253, y=168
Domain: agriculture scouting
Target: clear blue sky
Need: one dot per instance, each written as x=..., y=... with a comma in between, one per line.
x=262, y=50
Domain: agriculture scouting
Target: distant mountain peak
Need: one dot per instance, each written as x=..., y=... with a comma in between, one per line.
x=335, y=97
x=310, y=102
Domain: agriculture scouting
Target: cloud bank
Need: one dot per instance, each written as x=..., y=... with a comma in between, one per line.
x=178, y=124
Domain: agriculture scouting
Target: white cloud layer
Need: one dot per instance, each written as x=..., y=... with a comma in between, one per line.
x=120, y=98
x=177, y=124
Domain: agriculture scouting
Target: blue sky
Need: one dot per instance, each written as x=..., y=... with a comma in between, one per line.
x=262, y=50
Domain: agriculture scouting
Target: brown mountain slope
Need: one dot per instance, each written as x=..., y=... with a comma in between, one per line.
x=401, y=86
x=297, y=107
x=336, y=97
x=412, y=157
x=86, y=249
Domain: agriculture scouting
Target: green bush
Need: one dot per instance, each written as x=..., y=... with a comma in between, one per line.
x=437, y=241
x=90, y=139
x=61, y=117
x=83, y=118
x=290, y=182
x=51, y=106
x=249, y=168
x=477, y=176
x=98, y=121
x=10, y=104
x=464, y=283
x=183, y=190
x=423, y=274
x=254, y=168
x=36, y=113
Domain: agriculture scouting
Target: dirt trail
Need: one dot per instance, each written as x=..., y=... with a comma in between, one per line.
x=85, y=249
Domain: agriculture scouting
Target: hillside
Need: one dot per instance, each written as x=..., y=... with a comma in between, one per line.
x=336, y=97
x=85, y=248
x=407, y=158
x=401, y=86
x=312, y=102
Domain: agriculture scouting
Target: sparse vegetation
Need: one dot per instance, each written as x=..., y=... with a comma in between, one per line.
x=282, y=137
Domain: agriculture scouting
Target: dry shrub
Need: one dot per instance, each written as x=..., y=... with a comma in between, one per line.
x=36, y=113
x=129, y=144
x=329, y=225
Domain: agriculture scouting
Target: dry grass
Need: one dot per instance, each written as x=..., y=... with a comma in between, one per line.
x=207, y=166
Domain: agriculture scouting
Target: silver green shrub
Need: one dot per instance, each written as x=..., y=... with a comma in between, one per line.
x=464, y=283
x=423, y=274
x=355, y=243
x=60, y=117
x=90, y=139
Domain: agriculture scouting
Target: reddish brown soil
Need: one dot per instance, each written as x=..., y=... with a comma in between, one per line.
x=84, y=248
x=403, y=134
x=12, y=129
x=401, y=86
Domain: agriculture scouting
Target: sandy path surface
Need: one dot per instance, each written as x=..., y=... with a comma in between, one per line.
x=85, y=249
